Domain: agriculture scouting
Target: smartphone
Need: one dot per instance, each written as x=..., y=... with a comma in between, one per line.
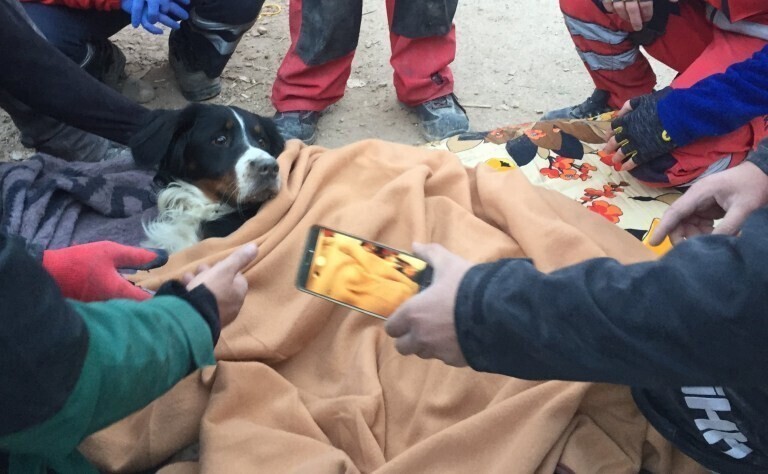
x=360, y=274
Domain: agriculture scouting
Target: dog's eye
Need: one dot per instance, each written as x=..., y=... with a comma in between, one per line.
x=262, y=142
x=220, y=140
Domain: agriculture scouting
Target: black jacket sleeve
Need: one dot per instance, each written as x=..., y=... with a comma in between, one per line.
x=43, y=342
x=695, y=317
x=37, y=74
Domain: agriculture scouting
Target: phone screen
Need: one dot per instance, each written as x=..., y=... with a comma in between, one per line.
x=360, y=274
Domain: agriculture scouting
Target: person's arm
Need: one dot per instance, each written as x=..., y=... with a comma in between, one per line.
x=68, y=369
x=37, y=74
x=718, y=104
x=695, y=317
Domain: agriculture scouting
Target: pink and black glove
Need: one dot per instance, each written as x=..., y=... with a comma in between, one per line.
x=89, y=272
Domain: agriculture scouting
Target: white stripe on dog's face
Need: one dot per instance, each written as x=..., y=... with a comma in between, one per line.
x=252, y=165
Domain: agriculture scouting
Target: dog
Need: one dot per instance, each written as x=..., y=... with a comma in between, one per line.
x=215, y=165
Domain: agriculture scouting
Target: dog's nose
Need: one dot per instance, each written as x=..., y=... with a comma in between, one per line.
x=264, y=168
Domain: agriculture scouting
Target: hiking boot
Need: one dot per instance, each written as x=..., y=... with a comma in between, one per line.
x=442, y=117
x=195, y=84
x=106, y=62
x=595, y=105
x=301, y=124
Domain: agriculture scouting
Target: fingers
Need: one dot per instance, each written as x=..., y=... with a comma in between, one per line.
x=153, y=11
x=672, y=218
x=398, y=324
x=407, y=345
x=732, y=221
x=646, y=10
x=399, y=327
x=187, y=278
x=618, y=158
x=137, y=8
x=625, y=109
x=177, y=12
x=634, y=15
x=149, y=26
x=636, y=12
x=240, y=284
x=628, y=165
x=611, y=146
x=239, y=259
x=127, y=290
x=434, y=254
x=125, y=256
x=620, y=9
x=164, y=19
x=699, y=196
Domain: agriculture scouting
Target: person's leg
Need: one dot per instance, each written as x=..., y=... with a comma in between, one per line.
x=421, y=65
x=421, y=61
x=713, y=154
x=314, y=72
x=83, y=36
x=610, y=49
x=62, y=27
x=71, y=30
x=315, y=78
x=200, y=50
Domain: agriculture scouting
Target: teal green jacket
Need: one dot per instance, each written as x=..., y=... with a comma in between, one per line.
x=70, y=369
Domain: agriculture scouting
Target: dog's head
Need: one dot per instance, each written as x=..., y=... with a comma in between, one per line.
x=227, y=152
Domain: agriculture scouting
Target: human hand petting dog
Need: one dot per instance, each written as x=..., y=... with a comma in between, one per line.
x=731, y=195
x=424, y=325
x=146, y=13
x=225, y=281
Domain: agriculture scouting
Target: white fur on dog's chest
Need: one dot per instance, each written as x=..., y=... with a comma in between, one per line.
x=182, y=208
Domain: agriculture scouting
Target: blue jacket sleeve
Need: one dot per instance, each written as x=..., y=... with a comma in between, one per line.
x=695, y=317
x=718, y=104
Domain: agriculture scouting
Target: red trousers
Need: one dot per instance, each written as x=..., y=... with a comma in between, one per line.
x=421, y=71
x=693, y=47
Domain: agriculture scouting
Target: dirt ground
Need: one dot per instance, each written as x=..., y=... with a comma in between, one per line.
x=514, y=61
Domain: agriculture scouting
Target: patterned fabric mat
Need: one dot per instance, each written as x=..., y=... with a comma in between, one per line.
x=565, y=156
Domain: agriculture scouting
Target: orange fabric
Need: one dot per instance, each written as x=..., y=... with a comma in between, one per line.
x=304, y=385
x=102, y=5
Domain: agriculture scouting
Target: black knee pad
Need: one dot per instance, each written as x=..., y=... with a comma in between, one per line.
x=230, y=12
x=423, y=18
x=329, y=29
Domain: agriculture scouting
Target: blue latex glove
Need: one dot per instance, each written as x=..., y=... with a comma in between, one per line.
x=146, y=13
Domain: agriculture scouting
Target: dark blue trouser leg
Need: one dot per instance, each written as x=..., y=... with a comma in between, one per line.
x=70, y=30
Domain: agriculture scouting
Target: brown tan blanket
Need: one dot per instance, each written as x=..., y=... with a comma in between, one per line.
x=304, y=385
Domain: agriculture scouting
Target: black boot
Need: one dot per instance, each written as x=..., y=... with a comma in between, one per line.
x=105, y=62
x=199, y=51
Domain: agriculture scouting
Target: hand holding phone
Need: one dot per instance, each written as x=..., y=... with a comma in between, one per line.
x=360, y=274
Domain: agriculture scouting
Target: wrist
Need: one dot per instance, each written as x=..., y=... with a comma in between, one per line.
x=199, y=298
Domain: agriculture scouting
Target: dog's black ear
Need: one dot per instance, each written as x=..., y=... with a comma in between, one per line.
x=277, y=142
x=153, y=141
